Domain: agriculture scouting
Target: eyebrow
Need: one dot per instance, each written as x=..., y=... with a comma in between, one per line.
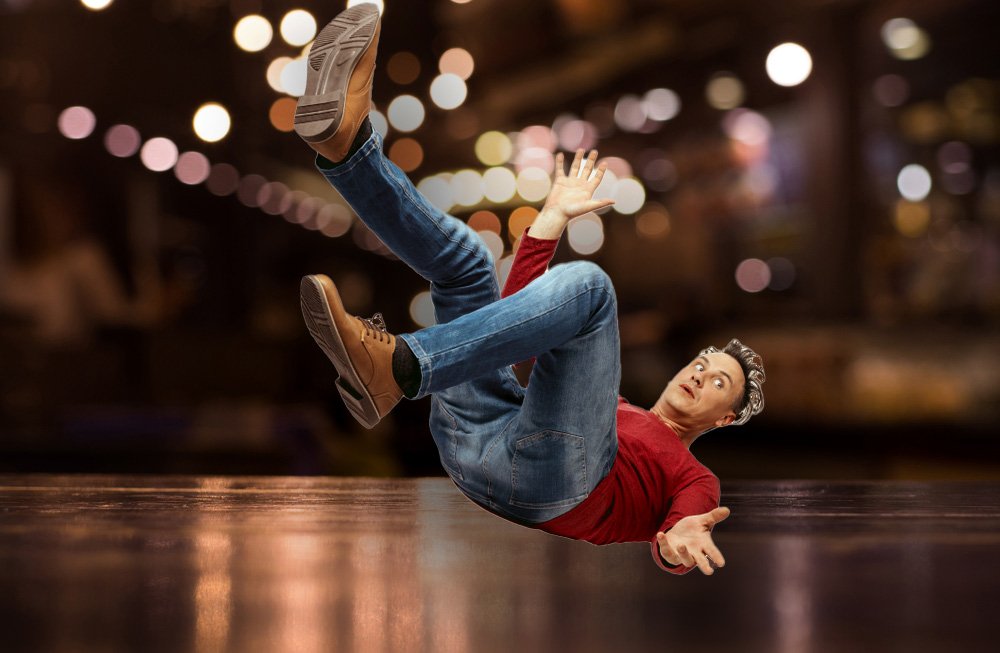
x=721, y=371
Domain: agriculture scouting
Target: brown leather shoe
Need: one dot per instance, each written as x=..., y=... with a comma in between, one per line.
x=339, y=81
x=360, y=349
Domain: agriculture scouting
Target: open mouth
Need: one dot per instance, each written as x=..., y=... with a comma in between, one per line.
x=688, y=390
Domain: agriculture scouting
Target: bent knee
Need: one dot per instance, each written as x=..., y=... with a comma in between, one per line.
x=585, y=273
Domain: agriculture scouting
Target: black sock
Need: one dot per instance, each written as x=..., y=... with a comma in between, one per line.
x=405, y=369
x=364, y=132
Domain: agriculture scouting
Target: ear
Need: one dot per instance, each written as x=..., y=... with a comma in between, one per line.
x=726, y=419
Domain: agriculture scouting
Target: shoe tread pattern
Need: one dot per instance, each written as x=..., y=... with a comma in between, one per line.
x=319, y=321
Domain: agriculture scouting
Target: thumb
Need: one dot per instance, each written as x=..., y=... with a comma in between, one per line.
x=719, y=514
x=578, y=209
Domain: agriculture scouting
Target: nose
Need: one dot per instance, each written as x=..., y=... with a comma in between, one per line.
x=696, y=377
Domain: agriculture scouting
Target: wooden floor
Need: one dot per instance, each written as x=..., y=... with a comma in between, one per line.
x=140, y=563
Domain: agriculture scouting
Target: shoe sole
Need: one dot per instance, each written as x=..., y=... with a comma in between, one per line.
x=319, y=320
x=332, y=59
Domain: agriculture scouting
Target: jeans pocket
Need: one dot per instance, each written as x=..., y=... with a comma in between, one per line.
x=549, y=470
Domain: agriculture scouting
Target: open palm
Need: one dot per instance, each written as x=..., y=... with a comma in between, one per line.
x=572, y=194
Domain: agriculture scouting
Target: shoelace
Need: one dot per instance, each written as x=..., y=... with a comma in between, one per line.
x=374, y=327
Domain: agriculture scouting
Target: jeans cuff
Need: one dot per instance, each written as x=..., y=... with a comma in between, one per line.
x=331, y=170
x=423, y=360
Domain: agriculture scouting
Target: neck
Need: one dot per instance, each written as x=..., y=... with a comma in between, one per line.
x=686, y=434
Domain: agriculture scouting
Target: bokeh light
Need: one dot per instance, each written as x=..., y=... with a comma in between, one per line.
x=724, y=91
x=467, y=187
x=122, y=140
x=448, y=91
x=158, y=154
x=540, y=136
x=422, y=309
x=753, y=275
x=499, y=184
x=406, y=113
x=782, y=273
x=519, y=220
x=192, y=168
x=282, y=114
x=905, y=39
x=653, y=221
x=76, y=122
x=911, y=218
x=494, y=148
x=747, y=127
x=788, y=64
x=293, y=77
x=333, y=220
x=253, y=33
x=576, y=134
x=457, y=61
x=274, y=198
x=914, y=182
x=248, y=191
x=403, y=67
x=96, y=5
x=437, y=190
x=533, y=184
x=629, y=196
x=379, y=4
x=407, y=154
x=586, y=234
x=298, y=27
x=630, y=113
x=954, y=157
x=661, y=104
x=222, y=180
x=211, y=122
x=379, y=122
x=485, y=221
x=891, y=90
x=493, y=242
x=274, y=73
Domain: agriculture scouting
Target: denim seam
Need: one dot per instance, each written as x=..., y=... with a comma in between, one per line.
x=518, y=324
x=359, y=157
x=513, y=471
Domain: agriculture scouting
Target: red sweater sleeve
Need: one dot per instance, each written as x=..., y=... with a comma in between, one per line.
x=530, y=262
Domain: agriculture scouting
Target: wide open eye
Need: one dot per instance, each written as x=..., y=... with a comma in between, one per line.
x=719, y=384
x=699, y=367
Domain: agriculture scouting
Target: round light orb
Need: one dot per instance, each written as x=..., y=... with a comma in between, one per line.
x=96, y=5
x=211, y=122
x=422, y=309
x=457, y=61
x=298, y=27
x=753, y=275
x=630, y=113
x=661, y=104
x=629, y=196
x=499, y=184
x=122, y=140
x=586, y=234
x=192, y=168
x=724, y=91
x=379, y=122
x=158, y=154
x=438, y=192
x=406, y=113
x=274, y=73
x=493, y=242
x=253, y=33
x=788, y=64
x=76, y=122
x=467, y=188
x=494, y=148
x=576, y=134
x=914, y=182
x=533, y=184
x=448, y=91
x=293, y=77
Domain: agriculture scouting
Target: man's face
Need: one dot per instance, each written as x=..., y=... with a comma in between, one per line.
x=705, y=390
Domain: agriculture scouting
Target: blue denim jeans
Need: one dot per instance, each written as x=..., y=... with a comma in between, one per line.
x=527, y=454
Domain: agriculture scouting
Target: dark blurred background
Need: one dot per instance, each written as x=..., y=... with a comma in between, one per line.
x=835, y=205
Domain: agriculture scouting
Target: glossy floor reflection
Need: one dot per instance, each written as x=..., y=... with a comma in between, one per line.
x=113, y=563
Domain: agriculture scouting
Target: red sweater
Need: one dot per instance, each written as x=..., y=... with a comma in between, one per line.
x=654, y=482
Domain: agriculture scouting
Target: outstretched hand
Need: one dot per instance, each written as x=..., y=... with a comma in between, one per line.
x=689, y=542
x=572, y=194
